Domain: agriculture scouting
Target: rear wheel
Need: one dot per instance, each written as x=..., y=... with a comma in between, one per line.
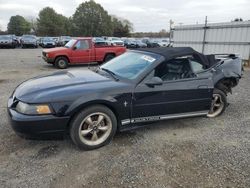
x=93, y=127
x=219, y=103
x=61, y=62
x=108, y=57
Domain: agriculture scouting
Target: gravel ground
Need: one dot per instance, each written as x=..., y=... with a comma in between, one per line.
x=195, y=152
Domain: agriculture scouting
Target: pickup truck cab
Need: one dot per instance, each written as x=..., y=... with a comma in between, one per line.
x=80, y=51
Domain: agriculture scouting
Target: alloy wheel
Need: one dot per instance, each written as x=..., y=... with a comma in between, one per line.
x=216, y=106
x=95, y=128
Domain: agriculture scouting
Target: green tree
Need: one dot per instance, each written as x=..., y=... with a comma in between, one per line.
x=128, y=24
x=90, y=19
x=50, y=23
x=33, y=24
x=121, y=27
x=18, y=25
x=238, y=20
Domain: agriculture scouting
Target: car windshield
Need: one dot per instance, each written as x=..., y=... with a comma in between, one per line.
x=28, y=37
x=48, y=40
x=70, y=43
x=114, y=38
x=98, y=40
x=66, y=37
x=129, y=65
x=5, y=37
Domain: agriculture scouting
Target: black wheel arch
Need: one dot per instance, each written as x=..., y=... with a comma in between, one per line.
x=106, y=104
x=65, y=56
x=109, y=53
x=226, y=84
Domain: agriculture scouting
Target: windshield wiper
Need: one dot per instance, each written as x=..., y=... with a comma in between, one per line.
x=111, y=73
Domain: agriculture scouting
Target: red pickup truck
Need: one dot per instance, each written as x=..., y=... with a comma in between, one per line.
x=80, y=50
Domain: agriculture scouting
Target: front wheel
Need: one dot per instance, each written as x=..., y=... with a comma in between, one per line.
x=219, y=103
x=61, y=62
x=93, y=127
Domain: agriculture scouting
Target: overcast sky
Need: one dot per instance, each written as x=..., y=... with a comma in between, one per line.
x=146, y=15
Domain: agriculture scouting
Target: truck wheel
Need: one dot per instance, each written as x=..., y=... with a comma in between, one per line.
x=109, y=57
x=93, y=127
x=219, y=103
x=61, y=62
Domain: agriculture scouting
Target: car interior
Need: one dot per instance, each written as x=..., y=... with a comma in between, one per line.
x=174, y=69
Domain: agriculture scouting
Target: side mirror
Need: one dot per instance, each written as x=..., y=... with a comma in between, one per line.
x=155, y=81
x=74, y=48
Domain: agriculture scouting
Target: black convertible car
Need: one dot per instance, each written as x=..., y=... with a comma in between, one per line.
x=131, y=90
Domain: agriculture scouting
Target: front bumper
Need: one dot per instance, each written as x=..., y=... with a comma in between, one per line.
x=29, y=44
x=49, y=45
x=48, y=60
x=36, y=125
x=6, y=44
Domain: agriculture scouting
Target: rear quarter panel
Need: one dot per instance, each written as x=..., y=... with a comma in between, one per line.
x=231, y=68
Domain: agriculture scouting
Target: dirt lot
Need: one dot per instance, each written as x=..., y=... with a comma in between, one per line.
x=195, y=152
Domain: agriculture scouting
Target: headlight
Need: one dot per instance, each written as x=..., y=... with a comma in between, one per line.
x=33, y=109
x=47, y=55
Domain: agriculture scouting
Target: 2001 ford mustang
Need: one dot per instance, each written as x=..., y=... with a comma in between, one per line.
x=137, y=87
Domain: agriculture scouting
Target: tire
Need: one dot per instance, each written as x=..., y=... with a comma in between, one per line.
x=61, y=62
x=108, y=57
x=219, y=103
x=95, y=135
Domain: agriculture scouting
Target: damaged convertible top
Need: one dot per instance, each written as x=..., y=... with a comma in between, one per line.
x=170, y=53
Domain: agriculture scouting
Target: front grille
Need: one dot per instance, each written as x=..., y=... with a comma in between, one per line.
x=44, y=54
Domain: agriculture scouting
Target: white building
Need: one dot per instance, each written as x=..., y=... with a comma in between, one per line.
x=230, y=37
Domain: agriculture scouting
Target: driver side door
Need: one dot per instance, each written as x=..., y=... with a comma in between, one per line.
x=82, y=52
x=181, y=94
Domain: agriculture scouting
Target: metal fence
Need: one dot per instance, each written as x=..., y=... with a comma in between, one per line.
x=230, y=37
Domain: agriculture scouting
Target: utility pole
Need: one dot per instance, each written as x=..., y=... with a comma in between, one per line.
x=170, y=30
x=204, y=36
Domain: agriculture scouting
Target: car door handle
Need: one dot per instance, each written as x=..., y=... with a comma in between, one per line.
x=202, y=87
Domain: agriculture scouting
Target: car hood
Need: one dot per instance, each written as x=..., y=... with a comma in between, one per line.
x=117, y=41
x=49, y=42
x=58, y=49
x=29, y=40
x=52, y=87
